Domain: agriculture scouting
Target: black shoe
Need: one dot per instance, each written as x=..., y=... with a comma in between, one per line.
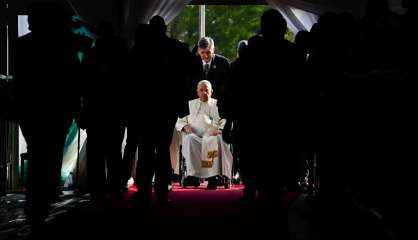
x=175, y=178
x=212, y=183
x=191, y=181
x=227, y=183
x=196, y=182
x=185, y=182
x=219, y=180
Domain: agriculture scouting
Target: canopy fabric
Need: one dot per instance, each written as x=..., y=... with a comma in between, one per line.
x=296, y=18
x=126, y=14
x=123, y=14
x=356, y=7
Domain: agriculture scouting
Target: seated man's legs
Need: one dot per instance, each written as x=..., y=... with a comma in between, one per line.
x=221, y=172
x=196, y=149
x=191, y=151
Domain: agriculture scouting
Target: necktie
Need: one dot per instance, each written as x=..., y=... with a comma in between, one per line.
x=206, y=69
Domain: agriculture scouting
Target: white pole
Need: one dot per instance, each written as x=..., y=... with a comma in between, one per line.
x=202, y=21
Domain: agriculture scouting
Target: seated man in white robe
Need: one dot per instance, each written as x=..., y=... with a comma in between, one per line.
x=206, y=154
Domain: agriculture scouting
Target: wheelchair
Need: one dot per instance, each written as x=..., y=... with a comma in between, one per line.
x=185, y=180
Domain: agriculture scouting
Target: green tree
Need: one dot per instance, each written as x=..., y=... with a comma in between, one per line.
x=185, y=27
x=226, y=24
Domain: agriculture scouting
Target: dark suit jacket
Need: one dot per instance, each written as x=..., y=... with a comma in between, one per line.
x=218, y=75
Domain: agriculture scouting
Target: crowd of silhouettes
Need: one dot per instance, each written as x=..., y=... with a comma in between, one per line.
x=343, y=92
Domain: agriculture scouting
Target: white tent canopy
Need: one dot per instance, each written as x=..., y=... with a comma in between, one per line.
x=125, y=14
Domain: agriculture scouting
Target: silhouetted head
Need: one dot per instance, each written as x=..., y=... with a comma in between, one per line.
x=273, y=24
x=206, y=48
x=194, y=50
x=255, y=42
x=157, y=25
x=328, y=24
x=204, y=90
x=48, y=18
x=241, y=47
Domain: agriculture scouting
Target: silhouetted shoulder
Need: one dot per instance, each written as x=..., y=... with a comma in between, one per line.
x=289, y=45
x=221, y=59
x=255, y=41
x=183, y=44
x=178, y=44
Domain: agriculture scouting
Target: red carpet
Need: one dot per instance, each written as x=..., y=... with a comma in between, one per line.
x=193, y=213
x=201, y=195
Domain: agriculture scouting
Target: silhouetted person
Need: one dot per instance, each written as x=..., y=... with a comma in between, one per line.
x=162, y=96
x=194, y=50
x=382, y=113
x=242, y=45
x=330, y=61
x=379, y=31
x=131, y=105
x=375, y=107
x=227, y=131
x=46, y=67
x=267, y=144
x=103, y=97
x=308, y=98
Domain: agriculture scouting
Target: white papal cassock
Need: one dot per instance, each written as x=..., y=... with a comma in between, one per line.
x=206, y=154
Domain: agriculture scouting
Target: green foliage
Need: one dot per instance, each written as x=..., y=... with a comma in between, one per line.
x=185, y=26
x=226, y=24
x=289, y=35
